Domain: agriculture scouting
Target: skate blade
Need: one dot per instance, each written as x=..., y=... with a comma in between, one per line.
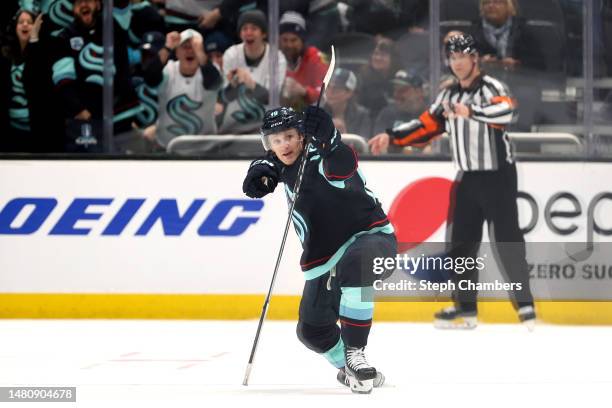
x=361, y=387
x=462, y=323
x=379, y=381
x=529, y=324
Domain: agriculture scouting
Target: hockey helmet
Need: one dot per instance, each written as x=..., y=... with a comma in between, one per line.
x=279, y=119
x=462, y=43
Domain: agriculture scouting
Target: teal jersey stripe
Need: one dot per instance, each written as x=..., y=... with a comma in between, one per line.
x=337, y=184
x=22, y=114
x=357, y=303
x=299, y=229
x=335, y=258
x=357, y=297
x=20, y=125
x=335, y=355
x=95, y=79
x=20, y=100
x=357, y=314
x=64, y=69
x=90, y=58
x=128, y=113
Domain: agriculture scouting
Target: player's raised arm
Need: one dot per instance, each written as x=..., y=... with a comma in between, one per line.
x=339, y=160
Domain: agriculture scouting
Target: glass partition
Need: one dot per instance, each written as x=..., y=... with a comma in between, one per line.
x=194, y=78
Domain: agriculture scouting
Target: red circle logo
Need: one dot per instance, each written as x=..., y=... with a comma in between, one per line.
x=419, y=210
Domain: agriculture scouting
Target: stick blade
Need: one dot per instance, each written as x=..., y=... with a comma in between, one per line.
x=247, y=374
x=330, y=69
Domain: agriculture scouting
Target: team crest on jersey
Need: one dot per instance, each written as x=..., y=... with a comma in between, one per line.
x=76, y=43
x=183, y=111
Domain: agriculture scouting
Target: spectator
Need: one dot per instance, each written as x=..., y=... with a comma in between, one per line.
x=408, y=102
x=187, y=88
x=373, y=17
x=57, y=15
x=183, y=14
x=136, y=19
x=375, y=88
x=305, y=66
x=246, y=68
x=225, y=16
x=324, y=22
x=8, y=10
x=215, y=45
x=29, y=118
x=500, y=34
x=390, y=18
x=340, y=101
x=152, y=43
x=77, y=75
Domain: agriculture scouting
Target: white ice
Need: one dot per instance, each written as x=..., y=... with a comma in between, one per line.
x=176, y=364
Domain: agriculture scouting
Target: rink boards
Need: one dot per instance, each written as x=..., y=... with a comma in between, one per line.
x=178, y=239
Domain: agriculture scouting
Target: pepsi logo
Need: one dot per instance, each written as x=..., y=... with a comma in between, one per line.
x=419, y=210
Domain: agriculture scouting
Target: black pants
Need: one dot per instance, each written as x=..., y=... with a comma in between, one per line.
x=347, y=297
x=490, y=196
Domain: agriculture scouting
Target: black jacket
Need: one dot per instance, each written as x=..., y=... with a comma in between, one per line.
x=78, y=74
x=46, y=119
x=520, y=44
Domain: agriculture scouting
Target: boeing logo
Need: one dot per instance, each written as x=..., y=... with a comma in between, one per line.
x=26, y=215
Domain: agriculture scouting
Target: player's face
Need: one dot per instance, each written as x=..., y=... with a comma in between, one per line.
x=24, y=27
x=187, y=58
x=287, y=145
x=462, y=64
x=85, y=11
x=291, y=45
x=250, y=34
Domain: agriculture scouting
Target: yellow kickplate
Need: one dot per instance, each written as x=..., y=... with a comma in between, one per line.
x=282, y=307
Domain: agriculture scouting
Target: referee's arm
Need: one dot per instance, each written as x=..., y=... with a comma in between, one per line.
x=500, y=111
x=418, y=131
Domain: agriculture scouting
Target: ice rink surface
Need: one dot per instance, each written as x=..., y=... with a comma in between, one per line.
x=135, y=363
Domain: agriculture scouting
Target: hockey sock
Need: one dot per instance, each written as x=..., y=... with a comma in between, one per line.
x=335, y=355
x=356, y=311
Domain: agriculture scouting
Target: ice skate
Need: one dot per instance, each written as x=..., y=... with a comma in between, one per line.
x=342, y=378
x=527, y=316
x=359, y=372
x=452, y=318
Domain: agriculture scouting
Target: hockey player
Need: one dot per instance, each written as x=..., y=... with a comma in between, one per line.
x=475, y=111
x=342, y=227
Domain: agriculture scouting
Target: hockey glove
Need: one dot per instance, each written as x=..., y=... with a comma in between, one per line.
x=319, y=125
x=261, y=179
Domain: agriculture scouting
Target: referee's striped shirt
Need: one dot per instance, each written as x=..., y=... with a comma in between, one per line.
x=478, y=143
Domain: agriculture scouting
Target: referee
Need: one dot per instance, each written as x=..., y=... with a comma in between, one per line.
x=474, y=111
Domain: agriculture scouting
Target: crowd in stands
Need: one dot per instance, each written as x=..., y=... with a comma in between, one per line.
x=202, y=67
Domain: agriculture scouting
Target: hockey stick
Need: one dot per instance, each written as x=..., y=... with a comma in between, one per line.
x=296, y=189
